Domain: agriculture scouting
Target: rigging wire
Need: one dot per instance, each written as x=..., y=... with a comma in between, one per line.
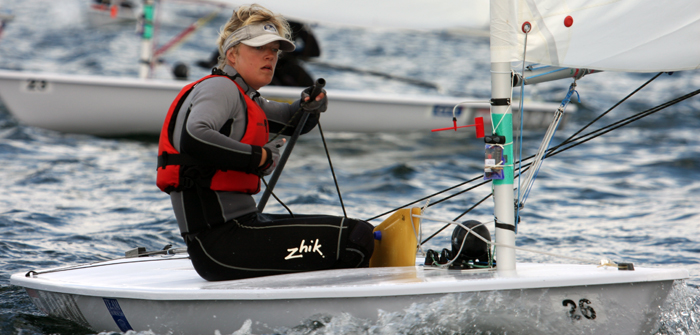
x=569, y=143
x=335, y=180
x=166, y=255
x=614, y=106
x=526, y=29
x=546, y=140
x=276, y=198
x=434, y=194
x=330, y=163
x=603, y=262
x=618, y=124
x=527, y=167
x=457, y=218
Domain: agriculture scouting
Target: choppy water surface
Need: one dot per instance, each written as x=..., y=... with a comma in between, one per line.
x=631, y=195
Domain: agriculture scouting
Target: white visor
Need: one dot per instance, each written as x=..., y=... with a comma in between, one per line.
x=256, y=35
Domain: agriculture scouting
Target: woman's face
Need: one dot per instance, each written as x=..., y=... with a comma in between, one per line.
x=255, y=64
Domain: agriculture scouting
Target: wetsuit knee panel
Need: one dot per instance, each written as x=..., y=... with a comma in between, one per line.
x=359, y=246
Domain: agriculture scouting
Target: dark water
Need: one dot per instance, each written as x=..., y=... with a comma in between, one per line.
x=630, y=195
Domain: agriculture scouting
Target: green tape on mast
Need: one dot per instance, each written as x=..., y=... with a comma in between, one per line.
x=505, y=128
x=148, y=13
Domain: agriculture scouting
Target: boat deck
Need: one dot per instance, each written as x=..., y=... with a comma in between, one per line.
x=173, y=277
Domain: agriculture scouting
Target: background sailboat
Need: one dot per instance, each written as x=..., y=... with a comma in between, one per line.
x=118, y=106
x=526, y=308
x=104, y=12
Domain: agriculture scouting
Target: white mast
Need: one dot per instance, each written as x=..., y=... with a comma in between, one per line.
x=146, y=37
x=502, y=43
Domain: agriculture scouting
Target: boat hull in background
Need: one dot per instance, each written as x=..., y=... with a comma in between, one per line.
x=102, y=14
x=112, y=106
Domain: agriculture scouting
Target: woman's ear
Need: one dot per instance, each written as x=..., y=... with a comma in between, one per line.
x=231, y=56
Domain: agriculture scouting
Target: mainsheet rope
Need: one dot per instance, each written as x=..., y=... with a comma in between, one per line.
x=569, y=143
x=602, y=262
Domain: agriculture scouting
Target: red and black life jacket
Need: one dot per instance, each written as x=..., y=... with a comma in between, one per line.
x=172, y=164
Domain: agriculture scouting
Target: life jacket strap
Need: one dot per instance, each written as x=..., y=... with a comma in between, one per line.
x=165, y=159
x=219, y=72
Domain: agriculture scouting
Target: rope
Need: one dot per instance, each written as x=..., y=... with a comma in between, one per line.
x=335, y=180
x=572, y=139
x=278, y=199
x=614, y=106
x=520, y=134
x=430, y=196
x=567, y=144
x=464, y=241
x=275, y=175
x=173, y=251
x=325, y=147
x=621, y=123
x=455, y=219
x=286, y=125
x=604, y=262
x=182, y=36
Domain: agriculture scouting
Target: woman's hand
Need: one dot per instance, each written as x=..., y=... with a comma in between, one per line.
x=274, y=148
x=318, y=105
x=319, y=97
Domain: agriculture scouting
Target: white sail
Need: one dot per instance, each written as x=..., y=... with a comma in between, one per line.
x=614, y=35
x=408, y=14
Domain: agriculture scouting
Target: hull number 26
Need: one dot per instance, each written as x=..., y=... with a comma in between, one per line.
x=584, y=309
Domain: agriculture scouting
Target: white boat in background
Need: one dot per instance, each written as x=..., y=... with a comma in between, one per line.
x=101, y=13
x=118, y=106
x=161, y=292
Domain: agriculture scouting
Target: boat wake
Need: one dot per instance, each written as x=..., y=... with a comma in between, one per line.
x=454, y=315
x=681, y=312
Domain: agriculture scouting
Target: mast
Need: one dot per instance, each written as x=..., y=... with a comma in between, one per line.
x=502, y=44
x=146, y=46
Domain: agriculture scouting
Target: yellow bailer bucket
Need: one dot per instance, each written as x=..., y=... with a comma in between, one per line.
x=395, y=239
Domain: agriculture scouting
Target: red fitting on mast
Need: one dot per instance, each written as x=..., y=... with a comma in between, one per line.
x=478, y=123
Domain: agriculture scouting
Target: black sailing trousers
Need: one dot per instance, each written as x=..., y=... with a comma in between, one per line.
x=266, y=244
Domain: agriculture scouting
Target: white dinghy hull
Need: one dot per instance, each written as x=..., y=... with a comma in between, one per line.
x=113, y=106
x=165, y=295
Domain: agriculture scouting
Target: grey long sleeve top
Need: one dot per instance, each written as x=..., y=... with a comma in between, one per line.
x=214, y=126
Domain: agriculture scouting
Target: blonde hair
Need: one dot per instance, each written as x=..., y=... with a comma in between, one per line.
x=246, y=15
